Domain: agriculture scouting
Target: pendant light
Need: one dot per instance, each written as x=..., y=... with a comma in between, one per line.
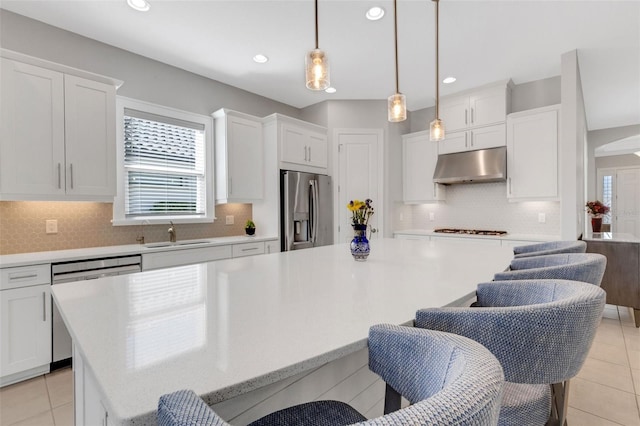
x=437, y=126
x=397, y=103
x=317, y=65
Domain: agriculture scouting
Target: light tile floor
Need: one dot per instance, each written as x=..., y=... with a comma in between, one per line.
x=606, y=392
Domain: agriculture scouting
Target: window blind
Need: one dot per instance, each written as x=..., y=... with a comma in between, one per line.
x=164, y=164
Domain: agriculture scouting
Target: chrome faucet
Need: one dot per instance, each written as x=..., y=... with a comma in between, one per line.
x=172, y=232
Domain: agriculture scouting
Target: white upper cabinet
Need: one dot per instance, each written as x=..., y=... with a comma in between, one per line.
x=470, y=140
x=302, y=145
x=239, y=157
x=89, y=108
x=57, y=135
x=419, y=162
x=475, y=119
x=532, y=154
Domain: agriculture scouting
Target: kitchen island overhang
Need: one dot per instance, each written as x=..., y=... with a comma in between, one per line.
x=228, y=327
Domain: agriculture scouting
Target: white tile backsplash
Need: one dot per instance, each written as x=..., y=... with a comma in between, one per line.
x=483, y=206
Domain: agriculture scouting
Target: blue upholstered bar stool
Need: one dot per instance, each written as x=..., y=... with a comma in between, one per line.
x=585, y=267
x=541, y=332
x=449, y=379
x=552, y=247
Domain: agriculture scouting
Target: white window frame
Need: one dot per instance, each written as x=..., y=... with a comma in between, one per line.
x=119, y=218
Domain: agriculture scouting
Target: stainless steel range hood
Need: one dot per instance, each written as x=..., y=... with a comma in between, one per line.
x=483, y=165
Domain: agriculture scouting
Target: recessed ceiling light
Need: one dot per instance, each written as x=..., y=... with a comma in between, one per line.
x=330, y=90
x=260, y=58
x=140, y=5
x=375, y=13
x=449, y=80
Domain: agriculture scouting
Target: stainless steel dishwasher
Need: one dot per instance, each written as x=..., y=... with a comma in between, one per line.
x=79, y=271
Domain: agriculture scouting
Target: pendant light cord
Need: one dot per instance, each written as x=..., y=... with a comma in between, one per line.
x=395, y=32
x=437, y=62
x=316, y=24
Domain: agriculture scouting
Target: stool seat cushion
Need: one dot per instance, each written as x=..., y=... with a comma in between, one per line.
x=317, y=413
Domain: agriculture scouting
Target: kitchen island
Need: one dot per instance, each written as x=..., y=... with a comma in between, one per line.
x=239, y=331
x=621, y=278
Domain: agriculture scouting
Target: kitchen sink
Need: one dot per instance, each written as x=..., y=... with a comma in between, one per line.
x=176, y=244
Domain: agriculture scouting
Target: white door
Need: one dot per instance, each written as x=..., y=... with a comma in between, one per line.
x=627, y=214
x=359, y=177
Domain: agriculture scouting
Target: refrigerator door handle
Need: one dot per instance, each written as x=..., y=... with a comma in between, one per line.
x=314, y=210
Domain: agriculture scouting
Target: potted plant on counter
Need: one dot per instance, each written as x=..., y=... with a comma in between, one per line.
x=596, y=210
x=250, y=227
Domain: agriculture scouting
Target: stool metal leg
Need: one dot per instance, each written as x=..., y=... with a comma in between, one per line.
x=392, y=400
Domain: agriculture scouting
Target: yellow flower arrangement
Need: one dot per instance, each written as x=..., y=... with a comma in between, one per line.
x=361, y=211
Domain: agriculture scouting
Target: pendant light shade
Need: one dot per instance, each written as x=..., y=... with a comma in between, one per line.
x=317, y=70
x=397, y=103
x=436, y=128
x=317, y=65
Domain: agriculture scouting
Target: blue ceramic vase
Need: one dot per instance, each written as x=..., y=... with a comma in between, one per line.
x=360, y=245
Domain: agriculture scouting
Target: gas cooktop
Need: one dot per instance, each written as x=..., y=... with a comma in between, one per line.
x=469, y=231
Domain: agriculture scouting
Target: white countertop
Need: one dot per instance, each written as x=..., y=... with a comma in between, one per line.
x=614, y=237
x=227, y=327
x=22, y=259
x=515, y=237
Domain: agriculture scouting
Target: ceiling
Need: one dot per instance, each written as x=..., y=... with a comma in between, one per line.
x=480, y=42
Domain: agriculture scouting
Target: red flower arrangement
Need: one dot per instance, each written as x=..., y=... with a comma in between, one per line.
x=596, y=208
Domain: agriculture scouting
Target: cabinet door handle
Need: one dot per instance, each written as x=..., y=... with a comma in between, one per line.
x=472, y=116
x=44, y=306
x=471, y=139
x=465, y=116
x=71, y=174
x=249, y=249
x=466, y=142
x=22, y=277
x=59, y=177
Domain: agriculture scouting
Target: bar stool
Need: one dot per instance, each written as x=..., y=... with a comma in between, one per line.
x=584, y=267
x=449, y=379
x=552, y=247
x=540, y=330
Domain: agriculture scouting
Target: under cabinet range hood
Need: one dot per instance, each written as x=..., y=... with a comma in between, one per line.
x=483, y=165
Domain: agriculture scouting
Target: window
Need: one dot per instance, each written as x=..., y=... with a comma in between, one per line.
x=165, y=170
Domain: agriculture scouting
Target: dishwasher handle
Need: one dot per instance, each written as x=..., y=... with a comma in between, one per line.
x=94, y=274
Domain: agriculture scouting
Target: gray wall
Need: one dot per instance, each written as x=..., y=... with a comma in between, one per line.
x=144, y=78
x=612, y=161
x=597, y=138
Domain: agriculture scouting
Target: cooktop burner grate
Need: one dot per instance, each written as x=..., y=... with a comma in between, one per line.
x=469, y=231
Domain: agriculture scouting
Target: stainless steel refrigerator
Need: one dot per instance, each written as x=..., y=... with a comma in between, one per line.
x=306, y=210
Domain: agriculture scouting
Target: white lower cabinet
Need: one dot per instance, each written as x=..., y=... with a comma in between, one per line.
x=248, y=249
x=532, y=154
x=411, y=237
x=272, y=246
x=166, y=259
x=25, y=332
x=468, y=240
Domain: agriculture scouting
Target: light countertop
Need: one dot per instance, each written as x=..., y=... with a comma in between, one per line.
x=614, y=237
x=21, y=259
x=514, y=237
x=227, y=327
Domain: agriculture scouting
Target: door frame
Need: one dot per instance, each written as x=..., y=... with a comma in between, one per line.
x=380, y=202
